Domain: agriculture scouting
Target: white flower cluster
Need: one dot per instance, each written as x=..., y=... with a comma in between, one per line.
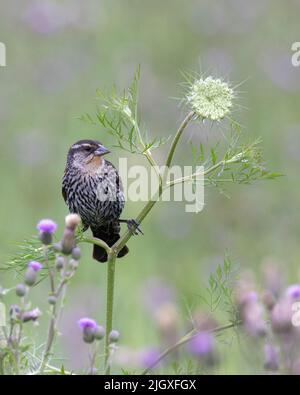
x=210, y=98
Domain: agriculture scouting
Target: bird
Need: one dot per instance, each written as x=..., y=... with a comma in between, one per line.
x=92, y=188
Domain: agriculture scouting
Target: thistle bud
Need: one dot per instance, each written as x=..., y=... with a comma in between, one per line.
x=14, y=312
x=31, y=315
x=57, y=247
x=88, y=327
x=59, y=263
x=99, y=332
x=73, y=264
x=52, y=299
x=72, y=221
x=46, y=228
x=68, y=241
x=20, y=290
x=30, y=277
x=271, y=358
x=114, y=336
x=76, y=253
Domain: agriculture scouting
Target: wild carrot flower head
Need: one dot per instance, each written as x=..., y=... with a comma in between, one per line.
x=210, y=98
x=36, y=266
x=46, y=226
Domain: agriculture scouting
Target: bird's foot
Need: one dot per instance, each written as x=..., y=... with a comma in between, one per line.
x=133, y=226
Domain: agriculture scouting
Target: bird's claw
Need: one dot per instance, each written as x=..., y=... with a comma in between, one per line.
x=133, y=227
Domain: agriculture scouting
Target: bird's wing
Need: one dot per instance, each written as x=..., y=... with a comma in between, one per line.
x=64, y=191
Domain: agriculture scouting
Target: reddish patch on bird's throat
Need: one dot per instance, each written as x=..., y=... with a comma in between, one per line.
x=94, y=164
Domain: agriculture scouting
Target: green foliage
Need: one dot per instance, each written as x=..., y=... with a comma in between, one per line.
x=218, y=294
x=119, y=115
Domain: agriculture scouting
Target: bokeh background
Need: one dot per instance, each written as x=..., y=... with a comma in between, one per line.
x=58, y=53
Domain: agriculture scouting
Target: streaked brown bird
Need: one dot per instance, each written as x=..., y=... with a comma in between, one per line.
x=92, y=188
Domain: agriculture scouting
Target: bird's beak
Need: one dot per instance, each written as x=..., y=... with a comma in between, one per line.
x=101, y=150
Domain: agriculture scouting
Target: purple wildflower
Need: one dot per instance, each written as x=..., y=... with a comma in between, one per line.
x=31, y=315
x=85, y=323
x=293, y=291
x=202, y=344
x=89, y=328
x=271, y=357
x=36, y=266
x=148, y=357
x=46, y=226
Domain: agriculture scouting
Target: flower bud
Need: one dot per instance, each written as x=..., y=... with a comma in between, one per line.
x=46, y=229
x=30, y=277
x=57, y=247
x=31, y=315
x=271, y=358
x=52, y=299
x=68, y=241
x=114, y=336
x=59, y=262
x=72, y=221
x=92, y=372
x=20, y=290
x=269, y=300
x=73, y=264
x=88, y=327
x=99, y=332
x=76, y=253
x=14, y=312
x=281, y=316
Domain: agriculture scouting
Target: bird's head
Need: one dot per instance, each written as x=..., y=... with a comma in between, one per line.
x=87, y=153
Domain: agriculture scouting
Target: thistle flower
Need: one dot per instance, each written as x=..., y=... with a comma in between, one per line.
x=203, y=346
x=293, y=292
x=88, y=327
x=210, y=98
x=281, y=316
x=31, y=315
x=253, y=319
x=271, y=357
x=148, y=357
x=46, y=227
x=36, y=266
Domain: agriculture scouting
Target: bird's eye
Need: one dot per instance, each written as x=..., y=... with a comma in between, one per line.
x=88, y=149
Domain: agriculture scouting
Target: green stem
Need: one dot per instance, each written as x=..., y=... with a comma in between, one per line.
x=109, y=308
x=176, y=139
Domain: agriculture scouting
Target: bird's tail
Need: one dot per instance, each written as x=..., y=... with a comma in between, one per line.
x=110, y=233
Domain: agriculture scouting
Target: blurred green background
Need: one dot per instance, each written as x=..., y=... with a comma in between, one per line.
x=59, y=52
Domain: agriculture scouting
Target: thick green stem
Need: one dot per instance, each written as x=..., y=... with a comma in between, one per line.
x=109, y=307
x=176, y=139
